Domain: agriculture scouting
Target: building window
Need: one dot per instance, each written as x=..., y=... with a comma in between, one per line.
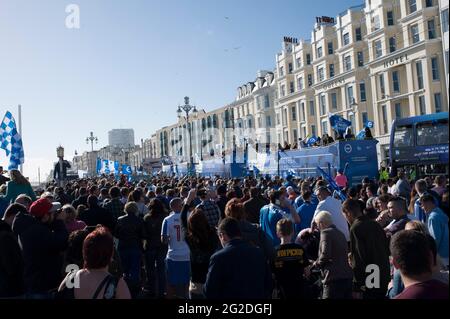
x=444, y=20
x=350, y=97
x=412, y=6
x=358, y=35
x=266, y=101
x=346, y=38
x=319, y=52
x=304, y=131
x=334, y=100
x=281, y=71
x=250, y=124
x=268, y=121
x=324, y=127
x=285, y=117
x=437, y=102
x=382, y=88
x=310, y=80
x=294, y=132
x=260, y=121
x=268, y=138
x=311, y=108
x=330, y=48
x=347, y=63
x=291, y=87
x=322, y=104
x=435, y=69
x=385, y=120
x=428, y=3
x=365, y=118
x=308, y=59
x=300, y=83
x=422, y=107
x=431, y=29
x=360, y=58
x=298, y=62
x=419, y=74
x=362, y=92
x=390, y=18
x=279, y=138
x=290, y=68
x=398, y=111
x=376, y=23
x=415, y=33
x=331, y=68
x=302, y=108
x=395, y=82
x=283, y=91
x=278, y=119
x=294, y=113
x=392, y=44
x=320, y=73
x=378, y=49
x=313, y=130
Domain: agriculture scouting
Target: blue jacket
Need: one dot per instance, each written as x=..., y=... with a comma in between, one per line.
x=238, y=271
x=438, y=228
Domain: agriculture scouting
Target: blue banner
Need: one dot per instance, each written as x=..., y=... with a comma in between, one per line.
x=339, y=124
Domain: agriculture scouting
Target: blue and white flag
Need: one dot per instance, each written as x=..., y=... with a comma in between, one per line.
x=339, y=124
x=311, y=140
x=11, y=141
x=361, y=135
x=369, y=124
x=126, y=170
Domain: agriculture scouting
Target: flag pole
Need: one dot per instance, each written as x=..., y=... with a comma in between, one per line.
x=20, y=132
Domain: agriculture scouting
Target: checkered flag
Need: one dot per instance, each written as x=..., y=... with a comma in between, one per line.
x=11, y=141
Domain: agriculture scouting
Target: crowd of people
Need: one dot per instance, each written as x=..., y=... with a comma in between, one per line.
x=216, y=238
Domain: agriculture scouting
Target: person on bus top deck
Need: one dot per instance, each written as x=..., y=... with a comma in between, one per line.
x=348, y=134
x=368, y=134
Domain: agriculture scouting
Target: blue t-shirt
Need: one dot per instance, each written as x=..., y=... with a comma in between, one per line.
x=299, y=201
x=306, y=212
x=269, y=217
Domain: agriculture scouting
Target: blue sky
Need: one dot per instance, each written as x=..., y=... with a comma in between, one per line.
x=131, y=62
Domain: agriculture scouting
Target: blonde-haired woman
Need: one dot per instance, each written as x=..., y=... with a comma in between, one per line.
x=17, y=186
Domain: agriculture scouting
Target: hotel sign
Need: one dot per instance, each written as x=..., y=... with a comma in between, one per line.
x=395, y=61
x=333, y=84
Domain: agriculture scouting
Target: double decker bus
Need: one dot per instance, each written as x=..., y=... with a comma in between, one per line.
x=420, y=144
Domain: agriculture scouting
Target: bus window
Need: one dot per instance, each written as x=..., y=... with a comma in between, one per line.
x=403, y=136
x=432, y=133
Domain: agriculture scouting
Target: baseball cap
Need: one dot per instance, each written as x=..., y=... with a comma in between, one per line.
x=42, y=207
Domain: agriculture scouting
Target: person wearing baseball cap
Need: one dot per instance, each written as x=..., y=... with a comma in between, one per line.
x=43, y=241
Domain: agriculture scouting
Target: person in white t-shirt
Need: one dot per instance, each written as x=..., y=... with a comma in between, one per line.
x=178, y=254
x=334, y=207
